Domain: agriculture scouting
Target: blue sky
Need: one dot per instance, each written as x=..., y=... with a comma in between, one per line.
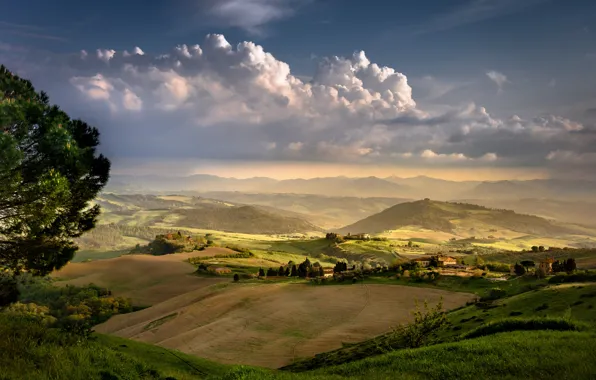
x=541, y=55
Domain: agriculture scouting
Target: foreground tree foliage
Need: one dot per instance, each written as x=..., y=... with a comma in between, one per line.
x=49, y=172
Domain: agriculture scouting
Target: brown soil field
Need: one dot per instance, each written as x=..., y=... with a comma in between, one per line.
x=146, y=279
x=271, y=324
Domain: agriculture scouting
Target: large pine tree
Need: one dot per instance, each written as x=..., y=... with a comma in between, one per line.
x=49, y=172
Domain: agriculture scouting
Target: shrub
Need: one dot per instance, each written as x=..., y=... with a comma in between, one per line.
x=9, y=291
x=574, y=277
x=423, y=331
x=236, y=277
x=498, y=267
x=494, y=294
x=519, y=324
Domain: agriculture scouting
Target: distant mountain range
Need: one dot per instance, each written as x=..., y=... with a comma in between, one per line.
x=390, y=187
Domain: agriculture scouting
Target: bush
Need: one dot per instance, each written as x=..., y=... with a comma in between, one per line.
x=9, y=291
x=73, y=309
x=236, y=277
x=423, y=331
x=519, y=324
x=498, y=267
x=574, y=277
x=494, y=294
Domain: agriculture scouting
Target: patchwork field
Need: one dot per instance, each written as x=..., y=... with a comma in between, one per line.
x=271, y=324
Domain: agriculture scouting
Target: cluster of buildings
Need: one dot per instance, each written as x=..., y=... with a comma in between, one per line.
x=441, y=261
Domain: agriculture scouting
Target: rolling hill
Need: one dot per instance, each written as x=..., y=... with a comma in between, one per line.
x=453, y=218
x=200, y=213
x=326, y=211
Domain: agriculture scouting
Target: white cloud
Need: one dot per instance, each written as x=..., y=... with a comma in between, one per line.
x=295, y=146
x=218, y=101
x=568, y=157
x=497, y=77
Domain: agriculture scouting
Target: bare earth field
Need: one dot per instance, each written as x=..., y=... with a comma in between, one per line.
x=270, y=324
x=145, y=279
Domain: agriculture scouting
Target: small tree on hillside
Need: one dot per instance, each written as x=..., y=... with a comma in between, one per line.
x=519, y=269
x=294, y=272
x=236, y=277
x=528, y=264
x=541, y=248
x=281, y=271
x=321, y=272
x=534, y=248
x=570, y=265
x=261, y=272
x=428, y=322
x=271, y=272
x=287, y=272
x=434, y=262
x=302, y=270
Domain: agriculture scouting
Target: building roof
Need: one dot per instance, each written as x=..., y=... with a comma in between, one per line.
x=446, y=258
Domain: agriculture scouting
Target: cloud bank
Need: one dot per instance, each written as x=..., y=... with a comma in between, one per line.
x=221, y=102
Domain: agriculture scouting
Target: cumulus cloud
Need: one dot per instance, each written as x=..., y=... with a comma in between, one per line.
x=222, y=102
x=497, y=77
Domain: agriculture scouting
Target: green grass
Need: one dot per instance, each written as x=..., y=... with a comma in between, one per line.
x=29, y=350
x=561, y=301
x=519, y=355
x=552, y=301
x=524, y=324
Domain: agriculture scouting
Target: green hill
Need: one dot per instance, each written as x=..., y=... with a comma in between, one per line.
x=201, y=213
x=29, y=350
x=504, y=348
x=571, y=301
x=448, y=217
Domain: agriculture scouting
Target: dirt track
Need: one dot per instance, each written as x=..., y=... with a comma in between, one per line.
x=268, y=325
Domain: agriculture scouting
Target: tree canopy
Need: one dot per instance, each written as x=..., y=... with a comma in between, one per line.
x=49, y=172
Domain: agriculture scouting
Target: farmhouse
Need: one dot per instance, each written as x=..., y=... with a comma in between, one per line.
x=360, y=236
x=422, y=261
x=328, y=272
x=446, y=261
x=547, y=265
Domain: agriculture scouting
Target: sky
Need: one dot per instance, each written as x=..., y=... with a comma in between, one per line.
x=455, y=89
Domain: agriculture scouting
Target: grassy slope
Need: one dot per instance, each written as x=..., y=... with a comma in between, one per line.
x=518, y=355
x=30, y=351
x=562, y=300
x=527, y=355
